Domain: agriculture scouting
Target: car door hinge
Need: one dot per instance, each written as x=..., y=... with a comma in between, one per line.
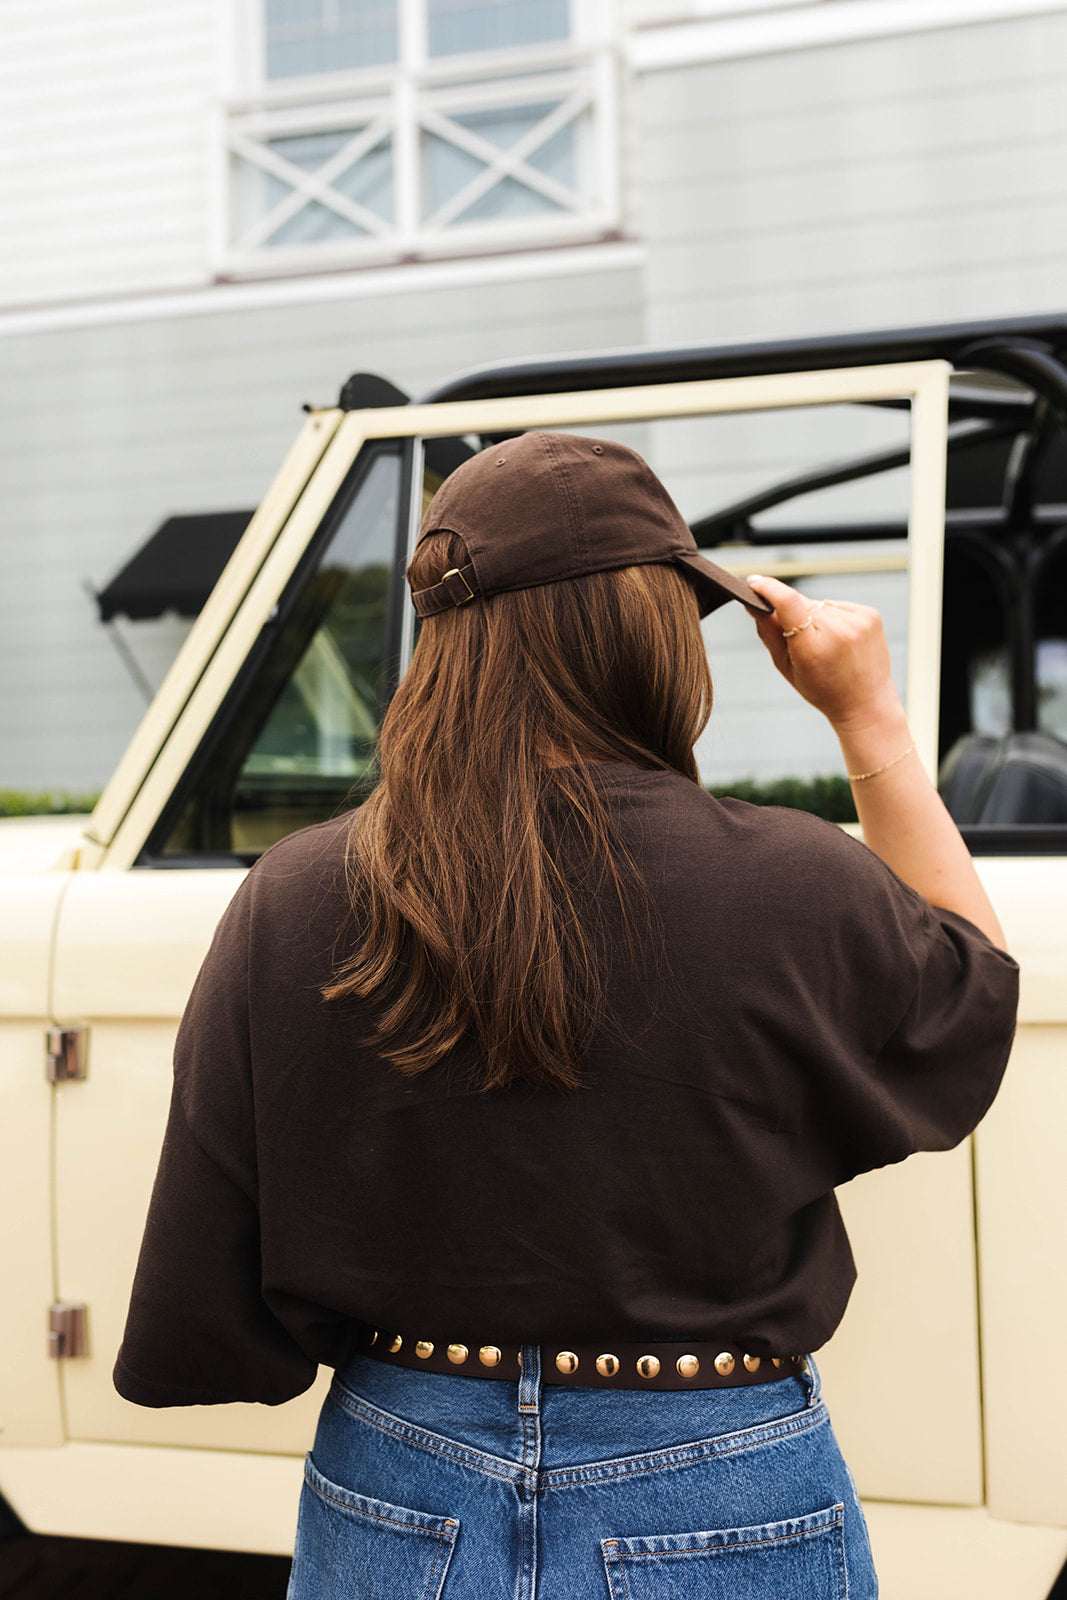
x=68, y=1330
x=66, y=1054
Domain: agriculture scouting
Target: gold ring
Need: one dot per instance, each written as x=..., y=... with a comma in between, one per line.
x=789, y=632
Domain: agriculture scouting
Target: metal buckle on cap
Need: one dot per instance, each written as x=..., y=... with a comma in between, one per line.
x=454, y=572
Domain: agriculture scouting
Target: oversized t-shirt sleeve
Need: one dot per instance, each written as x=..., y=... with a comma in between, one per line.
x=199, y=1331
x=944, y=1060
x=935, y=1025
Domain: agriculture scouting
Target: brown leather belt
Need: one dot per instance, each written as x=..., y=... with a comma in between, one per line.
x=609, y=1365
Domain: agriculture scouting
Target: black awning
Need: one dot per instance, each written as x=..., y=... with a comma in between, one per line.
x=176, y=569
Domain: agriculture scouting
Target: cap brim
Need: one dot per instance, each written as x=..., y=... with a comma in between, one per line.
x=714, y=585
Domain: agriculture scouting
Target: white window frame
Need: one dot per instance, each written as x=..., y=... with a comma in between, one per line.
x=418, y=91
x=733, y=8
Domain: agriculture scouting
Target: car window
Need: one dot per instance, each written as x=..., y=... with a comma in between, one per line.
x=1003, y=735
x=295, y=742
x=819, y=496
x=1050, y=661
x=838, y=540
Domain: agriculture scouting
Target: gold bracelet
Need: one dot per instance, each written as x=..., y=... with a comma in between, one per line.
x=859, y=777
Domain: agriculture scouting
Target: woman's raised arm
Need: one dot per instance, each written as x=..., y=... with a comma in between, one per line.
x=835, y=655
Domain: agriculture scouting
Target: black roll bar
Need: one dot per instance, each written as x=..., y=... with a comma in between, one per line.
x=1028, y=350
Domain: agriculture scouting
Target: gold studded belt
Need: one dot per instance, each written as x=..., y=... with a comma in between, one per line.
x=608, y=1365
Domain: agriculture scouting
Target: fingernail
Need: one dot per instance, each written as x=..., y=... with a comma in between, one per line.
x=755, y=578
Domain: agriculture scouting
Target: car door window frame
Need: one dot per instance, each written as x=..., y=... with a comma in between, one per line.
x=154, y=853
x=924, y=384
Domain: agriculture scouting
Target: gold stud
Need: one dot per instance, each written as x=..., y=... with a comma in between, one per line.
x=489, y=1355
x=395, y=1346
x=648, y=1366
x=776, y=1361
x=424, y=1348
x=607, y=1366
x=688, y=1366
x=724, y=1364
x=567, y=1361
x=457, y=1354
x=374, y=1337
x=752, y=1363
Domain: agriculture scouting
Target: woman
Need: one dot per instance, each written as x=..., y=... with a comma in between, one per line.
x=519, y=1095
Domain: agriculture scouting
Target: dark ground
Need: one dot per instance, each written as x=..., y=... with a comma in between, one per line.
x=40, y=1567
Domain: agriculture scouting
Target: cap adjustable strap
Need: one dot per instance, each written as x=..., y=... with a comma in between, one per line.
x=456, y=588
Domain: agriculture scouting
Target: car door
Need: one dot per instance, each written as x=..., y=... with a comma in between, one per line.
x=30, y=1399
x=291, y=740
x=278, y=730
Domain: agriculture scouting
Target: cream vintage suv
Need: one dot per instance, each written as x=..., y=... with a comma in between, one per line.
x=925, y=472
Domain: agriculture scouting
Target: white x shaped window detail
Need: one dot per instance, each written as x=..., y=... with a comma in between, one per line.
x=306, y=187
x=501, y=163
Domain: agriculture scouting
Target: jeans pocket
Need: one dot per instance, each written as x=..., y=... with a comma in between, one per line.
x=348, y=1545
x=802, y=1558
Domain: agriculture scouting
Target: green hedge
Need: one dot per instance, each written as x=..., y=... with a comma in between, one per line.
x=823, y=797
x=47, y=803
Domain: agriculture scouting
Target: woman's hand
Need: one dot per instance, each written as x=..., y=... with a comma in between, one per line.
x=835, y=655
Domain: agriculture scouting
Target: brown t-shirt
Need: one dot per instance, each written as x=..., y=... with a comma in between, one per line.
x=806, y=1017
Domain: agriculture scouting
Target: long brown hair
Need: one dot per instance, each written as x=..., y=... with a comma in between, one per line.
x=468, y=914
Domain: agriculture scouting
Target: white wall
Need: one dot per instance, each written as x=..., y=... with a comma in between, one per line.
x=113, y=414
x=886, y=182
x=107, y=429
x=104, y=108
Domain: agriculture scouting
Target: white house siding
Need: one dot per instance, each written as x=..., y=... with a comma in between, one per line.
x=108, y=429
x=887, y=182
x=104, y=118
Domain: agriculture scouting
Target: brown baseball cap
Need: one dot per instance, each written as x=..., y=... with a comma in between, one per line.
x=548, y=506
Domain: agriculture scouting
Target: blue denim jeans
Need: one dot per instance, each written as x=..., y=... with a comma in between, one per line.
x=423, y=1486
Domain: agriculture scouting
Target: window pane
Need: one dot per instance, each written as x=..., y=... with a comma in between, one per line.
x=368, y=181
x=558, y=157
x=315, y=223
x=281, y=14
x=457, y=26
x=446, y=168
x=308, y=36
x=509, y=199
x=504, y=126
x=1051, y=653
x=976, y=693
x=845, y=541
x=848, y=541
x=1003, y=737
x=300, y=736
